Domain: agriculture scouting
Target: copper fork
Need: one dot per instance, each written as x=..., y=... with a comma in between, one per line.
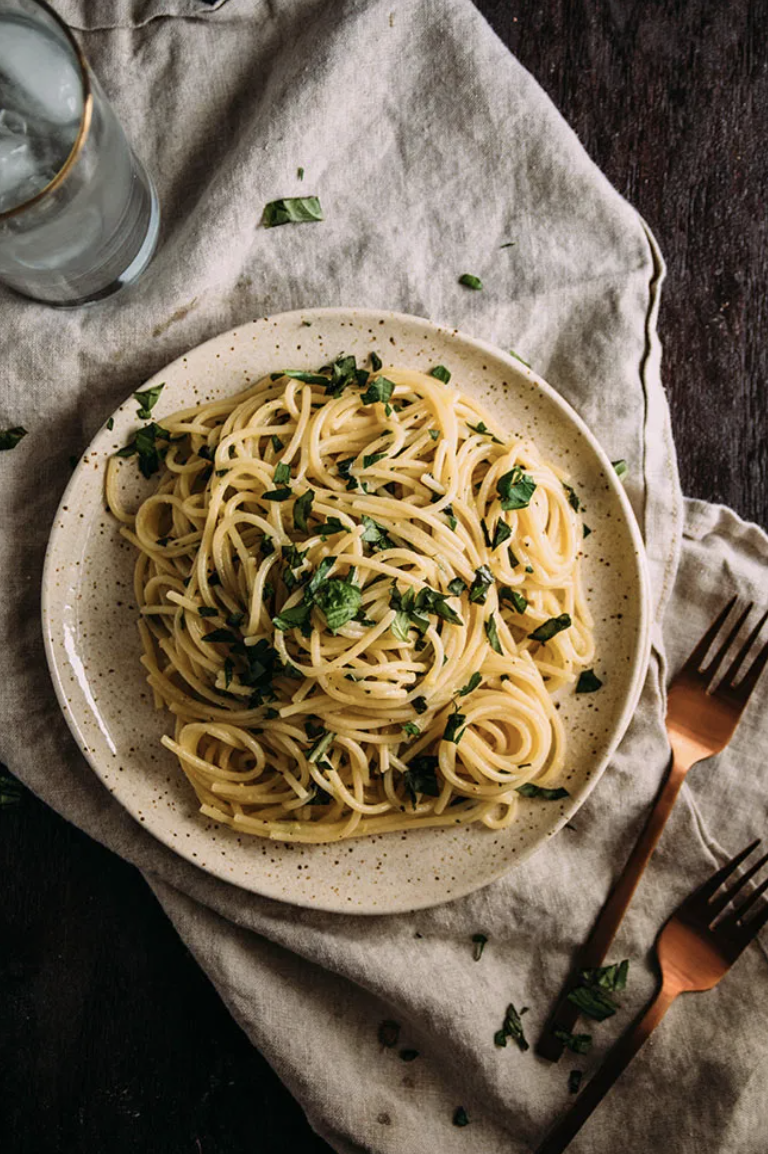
x=694, y=954
x=700, y=722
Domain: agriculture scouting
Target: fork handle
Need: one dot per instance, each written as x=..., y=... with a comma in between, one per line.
x=593, y=952
x=615, y=1062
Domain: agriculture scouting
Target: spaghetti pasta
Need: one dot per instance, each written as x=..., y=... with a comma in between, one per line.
x=357, y=598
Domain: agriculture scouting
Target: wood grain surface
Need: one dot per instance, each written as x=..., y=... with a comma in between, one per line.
x=111, y=1039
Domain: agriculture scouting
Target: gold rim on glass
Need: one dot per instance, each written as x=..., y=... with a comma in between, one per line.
x=85, y=121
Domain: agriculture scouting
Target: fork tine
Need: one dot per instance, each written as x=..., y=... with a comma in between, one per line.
x=752, y=676
x=717, y=660
x=750, y=901
x=709, y=888
x=741, y=656
x=694, y=662
x=753, y=927
x=719, y=903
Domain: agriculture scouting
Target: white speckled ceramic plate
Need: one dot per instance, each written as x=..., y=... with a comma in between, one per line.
x=92, y=643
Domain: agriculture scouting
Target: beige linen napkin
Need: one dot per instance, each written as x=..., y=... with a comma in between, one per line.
x=429, y=147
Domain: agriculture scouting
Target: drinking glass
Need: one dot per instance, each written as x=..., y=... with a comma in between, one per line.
x=79, y=216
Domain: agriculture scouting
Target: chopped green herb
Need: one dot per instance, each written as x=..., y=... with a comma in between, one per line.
x=577, y=1043
x=208, y=611
x=235, y=620
x=478, y=590
x=585, y=530
x=481, y=427
x=519, y=601
x=471, y=685
x=460, y=1117
x=300, y=172
x=379, y=389
x=229, y=668
x=277, y=495
x=612, y=977
x=412, y=729
x=293, y=618
x=620, y=467
x=515, y=489
x=110, y=423
x=282, y=473
x=479, y=941
x=448, y=510
x=513, y=561
x=389, y=1034
x=574, y=1078
x=434, y=434
x=456, y=587
x=549, y=629
x=320, y=747
x=512, y=1028
x=376, y=362
x=277, y=444
x=519, y=358
x=486, y=534
x=317, y=580
x=221, y=472
x=573, y=499
x=421, y=777
x=453, y=731
x=373, y=459
x=302, y=509
x=375, y=535
x=339, y=601
x=147, y=401
x=593, y=1001
x=420, y=704
x=471, y=281
x=223, y=636
x=508, y=244
x=492, y=634
x=408, y=1055
x=144, y=444
x=588, y=682
x=319, y=796
x=441, y=373
x=206, y=452
x=501, y=533
x=531, y=790
x=292, y=210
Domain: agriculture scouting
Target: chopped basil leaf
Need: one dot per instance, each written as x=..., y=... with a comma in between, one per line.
x=110, y=423
x=460, y=1117
x=612, y=977
x=479, y=943
x=573, y=499
x=208, y=611
x=518, y=600
x=401, y=625
x=588, y=682
x=574, y=1078
x=517, y=357
x=339, y=601
x=434, y=434
x=373, y=459
x=282, y=473
x=620, y=467
x=434, y=602
x=593, y=1001
x=501, y=533
x=319, y=797
x=515, y=489
x=375, y=535
x=277, y=495
x=531, y=790
x=379, y=389
x=206, y=452
x=344, y=372
x=421, y=777
x=317, y=579
x=471, y=685
x=277, y=444
x=471, y=281
x=513, y=561
x=548, y=629
x=329, y=527
x=344, y=467
x=492, y=634
x=376, y=362
x=585, y=530
x=412, y=729
x=320, y=747
x=292, y=210
x=420, y=704
x=456, y=587
x=229, y=668
x=235, y=620
x=147, y=401
x=389, y=1034
x=486, y=534
x=293, y=618
x=481, y=427
x=441, y=373
x=478, y=590
x=453, y=731
x=221, y=635
x=301, y=510
x=500, y=1038
x=577, y=1043
x=144, y=444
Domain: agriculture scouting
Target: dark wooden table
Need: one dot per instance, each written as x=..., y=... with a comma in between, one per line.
x=111, y=1039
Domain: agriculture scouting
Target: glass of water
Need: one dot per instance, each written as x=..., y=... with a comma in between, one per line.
x=79, y=216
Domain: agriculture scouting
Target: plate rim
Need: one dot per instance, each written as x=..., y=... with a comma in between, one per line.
x=641, y=656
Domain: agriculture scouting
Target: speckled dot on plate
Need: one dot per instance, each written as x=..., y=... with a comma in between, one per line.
x=89, y=622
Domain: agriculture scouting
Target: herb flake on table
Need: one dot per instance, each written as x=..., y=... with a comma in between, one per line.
x=147, y=401
x=440, y=373
x=469, y=280
x=479, y=942
x=576, y=1043
x=528, y=789
x=549, y=629
x=517, y=357
x=460, y=1117
x=588, y=682
x=512, y=1028
x=300, y=172
x=110, y=423
x=292, y=210
x=620, y=467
